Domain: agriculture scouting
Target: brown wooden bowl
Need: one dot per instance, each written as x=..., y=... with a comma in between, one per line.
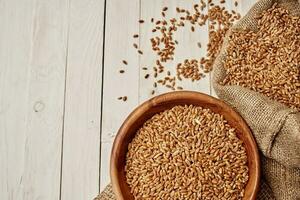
x=166, y=101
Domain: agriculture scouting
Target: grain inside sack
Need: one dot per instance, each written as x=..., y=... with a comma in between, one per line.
x=267, y=60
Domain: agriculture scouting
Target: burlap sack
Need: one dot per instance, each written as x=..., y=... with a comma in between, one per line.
x=275, y=126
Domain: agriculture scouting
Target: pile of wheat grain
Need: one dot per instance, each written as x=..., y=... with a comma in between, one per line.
x=267, y=60
x=164, y=44
x=186, y=152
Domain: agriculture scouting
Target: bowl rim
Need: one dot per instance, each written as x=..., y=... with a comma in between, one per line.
x=140, y=109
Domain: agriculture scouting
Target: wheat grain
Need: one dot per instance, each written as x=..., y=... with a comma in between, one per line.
x=186, y=152
x=267, y=60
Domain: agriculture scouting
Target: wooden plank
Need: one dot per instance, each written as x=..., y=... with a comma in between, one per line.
x=244, y=6
x=105, y=163
x=33, y=52
x=46, y=93
x=15, y=35
x=186, y=49
x=81, y=147
x=121, y=24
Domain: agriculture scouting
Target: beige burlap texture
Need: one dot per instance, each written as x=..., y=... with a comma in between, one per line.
x=275, y=126
x=107, y=194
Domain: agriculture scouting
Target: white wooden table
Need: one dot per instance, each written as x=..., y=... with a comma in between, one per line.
x=59, y=83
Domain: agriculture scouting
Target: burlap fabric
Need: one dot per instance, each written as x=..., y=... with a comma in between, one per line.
x=275, y=126
x=107, y=194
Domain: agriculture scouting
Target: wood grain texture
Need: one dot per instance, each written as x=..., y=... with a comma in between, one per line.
x=16, y=30
x=244, y=6
x=121, y=24
x=81, y=142
x=46, y=93
x=105, y=164
x=33, y=56
x=167, y=101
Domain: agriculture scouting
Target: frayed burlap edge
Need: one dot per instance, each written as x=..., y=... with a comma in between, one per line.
x=107, y=194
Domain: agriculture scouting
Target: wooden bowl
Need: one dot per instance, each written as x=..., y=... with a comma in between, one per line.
x=166, y=101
